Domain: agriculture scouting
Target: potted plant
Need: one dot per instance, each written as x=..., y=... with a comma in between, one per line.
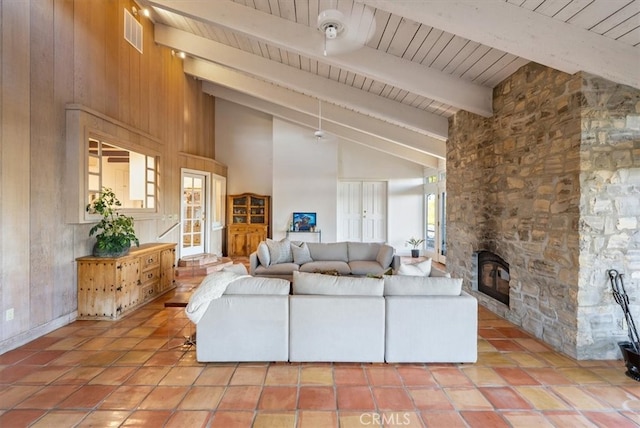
x=117, y=229
x=415, y=243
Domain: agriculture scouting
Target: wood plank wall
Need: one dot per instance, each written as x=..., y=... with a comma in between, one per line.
x=56, y=52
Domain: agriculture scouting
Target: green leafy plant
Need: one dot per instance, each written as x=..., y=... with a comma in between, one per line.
x=414, y=242
x=117, y=232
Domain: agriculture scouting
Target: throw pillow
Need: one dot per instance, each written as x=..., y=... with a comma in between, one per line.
x=418, y=269
x=263, y=254
x=280, y=251
x=301, y=253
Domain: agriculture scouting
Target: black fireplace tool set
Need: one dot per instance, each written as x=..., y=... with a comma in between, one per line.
x=631, y=349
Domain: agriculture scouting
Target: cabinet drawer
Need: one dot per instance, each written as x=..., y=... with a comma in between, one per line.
x=149, y=260
x=148, y=292
x=149, y=276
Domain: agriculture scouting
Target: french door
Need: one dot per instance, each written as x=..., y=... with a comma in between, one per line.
x=194, y=206
x=435, y=221
x=362, y=211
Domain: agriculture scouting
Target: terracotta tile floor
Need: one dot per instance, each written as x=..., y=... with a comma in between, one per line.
x=134, y=373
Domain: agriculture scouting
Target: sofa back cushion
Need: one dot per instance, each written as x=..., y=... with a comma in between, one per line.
x=362, y=250
x=329, y=285
x=401, y=285
x=385, y=255
x=329, y=252
x=258, y=285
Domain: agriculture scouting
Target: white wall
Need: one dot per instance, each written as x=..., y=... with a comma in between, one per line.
x=404, y=189
x=244, y=144
x=278, y=158
x=304, y=178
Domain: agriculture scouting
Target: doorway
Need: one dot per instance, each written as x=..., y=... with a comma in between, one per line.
x=194, y=208
x=435, y=199
x=362, y=211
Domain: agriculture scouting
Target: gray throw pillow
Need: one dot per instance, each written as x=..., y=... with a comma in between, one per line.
x=280, y=251
x=301, y=253
x=263, y=254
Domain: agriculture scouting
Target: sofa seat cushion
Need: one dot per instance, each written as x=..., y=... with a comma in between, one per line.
x=329, y=252
x=365, y=267
x=279, y=269
x=258, y=285
x=399, y=285
x=313, y=283
x=340, y=267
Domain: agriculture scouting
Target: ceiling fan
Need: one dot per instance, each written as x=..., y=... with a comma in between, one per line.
x=345, y=34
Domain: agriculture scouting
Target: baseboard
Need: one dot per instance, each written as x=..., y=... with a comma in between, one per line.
x=39, y=331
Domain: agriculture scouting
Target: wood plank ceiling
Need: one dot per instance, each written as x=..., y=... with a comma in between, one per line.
x=401, y=68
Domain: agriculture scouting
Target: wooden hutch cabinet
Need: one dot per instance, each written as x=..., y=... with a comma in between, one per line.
x=109, y=287
x=247, y=223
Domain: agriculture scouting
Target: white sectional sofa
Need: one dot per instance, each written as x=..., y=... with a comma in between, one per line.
x=396, y=318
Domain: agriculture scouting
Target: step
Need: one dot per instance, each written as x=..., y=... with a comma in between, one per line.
x=203, y=270
x=197, y=260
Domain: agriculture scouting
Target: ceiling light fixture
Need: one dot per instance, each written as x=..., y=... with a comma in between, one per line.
x=345, y=34
x=331, y=24
x=319, y=134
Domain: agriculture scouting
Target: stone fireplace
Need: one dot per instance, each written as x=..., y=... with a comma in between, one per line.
x=551, y=182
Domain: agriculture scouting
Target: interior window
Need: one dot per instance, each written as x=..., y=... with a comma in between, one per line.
x=131, y=175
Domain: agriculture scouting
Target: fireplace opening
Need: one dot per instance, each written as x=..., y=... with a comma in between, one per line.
x=493, y=276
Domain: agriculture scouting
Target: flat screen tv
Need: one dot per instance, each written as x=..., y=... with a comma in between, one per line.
x=304, y=221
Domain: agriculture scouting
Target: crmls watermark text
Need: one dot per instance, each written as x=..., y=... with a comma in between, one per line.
x=390, y=419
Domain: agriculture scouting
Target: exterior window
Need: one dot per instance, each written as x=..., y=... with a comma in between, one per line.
x=131, y=175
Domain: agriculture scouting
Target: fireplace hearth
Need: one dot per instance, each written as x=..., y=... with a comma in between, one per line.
x=493, y=276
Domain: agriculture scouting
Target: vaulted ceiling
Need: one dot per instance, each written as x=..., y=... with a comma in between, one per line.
x=399, y=69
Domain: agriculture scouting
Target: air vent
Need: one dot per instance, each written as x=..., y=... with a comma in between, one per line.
x=132, y=31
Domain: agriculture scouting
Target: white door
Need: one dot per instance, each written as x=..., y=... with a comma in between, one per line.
x=362, y=211
x=194, y=203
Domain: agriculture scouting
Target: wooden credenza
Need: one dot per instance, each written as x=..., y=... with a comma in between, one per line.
x=247, y=223
x=109, y=287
